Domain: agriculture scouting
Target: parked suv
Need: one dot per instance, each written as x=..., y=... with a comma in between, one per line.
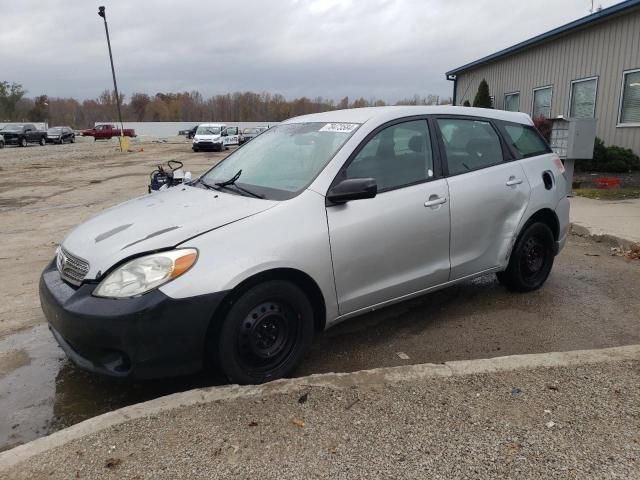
x=317, y=220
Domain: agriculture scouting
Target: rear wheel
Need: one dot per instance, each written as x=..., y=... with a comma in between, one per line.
x=264, y=334
x=531, y=260
x=73, y=139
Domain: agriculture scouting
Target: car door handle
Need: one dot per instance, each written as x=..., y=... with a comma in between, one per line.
x=435, y=200
x=513, y=181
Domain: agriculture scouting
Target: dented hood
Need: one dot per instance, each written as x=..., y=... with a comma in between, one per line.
x=157, y=221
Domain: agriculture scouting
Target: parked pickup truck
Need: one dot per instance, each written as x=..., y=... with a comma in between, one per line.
x=22, y=134
x=107, y=131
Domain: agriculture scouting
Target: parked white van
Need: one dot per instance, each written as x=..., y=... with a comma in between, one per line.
x=215, y=136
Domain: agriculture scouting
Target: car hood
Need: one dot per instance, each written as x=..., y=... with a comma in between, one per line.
x=156, y=221
x=207, y=137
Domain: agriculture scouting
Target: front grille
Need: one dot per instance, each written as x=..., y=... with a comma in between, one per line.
x=71, y=268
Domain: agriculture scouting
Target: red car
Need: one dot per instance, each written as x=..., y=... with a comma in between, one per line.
x=107, y=131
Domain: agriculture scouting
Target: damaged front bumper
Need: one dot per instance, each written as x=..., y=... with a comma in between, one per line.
x=148, y=336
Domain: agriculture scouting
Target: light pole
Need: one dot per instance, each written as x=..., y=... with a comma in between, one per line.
x=103, y=14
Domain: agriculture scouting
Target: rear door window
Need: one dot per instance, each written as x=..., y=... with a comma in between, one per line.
x=469, y=144
x=525, y=140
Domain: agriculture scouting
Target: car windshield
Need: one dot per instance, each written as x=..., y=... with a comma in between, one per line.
x=12, y=126
x=251, y=130
x=282, y=161
x=202, y=130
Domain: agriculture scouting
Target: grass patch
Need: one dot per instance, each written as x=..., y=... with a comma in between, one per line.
x=608, y=194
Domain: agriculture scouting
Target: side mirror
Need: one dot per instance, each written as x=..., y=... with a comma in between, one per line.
x=353, y=189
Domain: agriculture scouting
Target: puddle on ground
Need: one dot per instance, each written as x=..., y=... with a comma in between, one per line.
x=41, y=391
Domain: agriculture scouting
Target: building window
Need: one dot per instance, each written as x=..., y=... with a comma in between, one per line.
x=492, y=99
x=630, y=99
x=542, y=102
x=582, y=99
x=512, y=102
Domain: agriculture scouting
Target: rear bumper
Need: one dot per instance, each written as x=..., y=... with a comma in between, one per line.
x=145, y=337
x=562, y=212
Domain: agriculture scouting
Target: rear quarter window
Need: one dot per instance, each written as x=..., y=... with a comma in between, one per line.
x=525, y=140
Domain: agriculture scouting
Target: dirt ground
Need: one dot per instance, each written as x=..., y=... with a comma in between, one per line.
x=48, y=190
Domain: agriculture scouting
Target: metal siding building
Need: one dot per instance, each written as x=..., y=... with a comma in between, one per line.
x=602, y=46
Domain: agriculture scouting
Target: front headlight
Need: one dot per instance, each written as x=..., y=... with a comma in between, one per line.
x=143, y=274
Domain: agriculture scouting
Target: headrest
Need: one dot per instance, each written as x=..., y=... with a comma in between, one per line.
x=416, y=143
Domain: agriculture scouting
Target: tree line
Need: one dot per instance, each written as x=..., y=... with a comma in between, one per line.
x=175, y=107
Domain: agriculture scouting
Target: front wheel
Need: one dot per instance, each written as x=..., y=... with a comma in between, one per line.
x=531, y=259
x=43, y=141
x=23, y=142
x=265, y=333
x=73, y=139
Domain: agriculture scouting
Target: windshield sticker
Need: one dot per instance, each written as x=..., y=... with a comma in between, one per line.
x=339, y=127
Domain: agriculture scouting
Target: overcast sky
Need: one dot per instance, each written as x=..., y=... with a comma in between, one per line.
x=388, y=49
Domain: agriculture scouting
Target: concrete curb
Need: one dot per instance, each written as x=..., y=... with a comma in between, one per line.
x=606, y=238
x=363, y=378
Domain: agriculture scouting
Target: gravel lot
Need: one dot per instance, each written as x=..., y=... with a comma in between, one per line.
x=571, y=422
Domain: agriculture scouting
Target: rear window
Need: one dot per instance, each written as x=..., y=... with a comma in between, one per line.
x=525, y=140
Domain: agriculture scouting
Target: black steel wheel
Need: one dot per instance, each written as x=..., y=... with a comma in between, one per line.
x=531, y=260
x=265, y=333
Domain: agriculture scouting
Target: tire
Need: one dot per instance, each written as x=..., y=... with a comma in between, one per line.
x=43, y=141
x=61, y=140
x=1, y=145
x=23, y=142
x=73, y=139
x=264, y=334
x=531, y=260
x=195, y=149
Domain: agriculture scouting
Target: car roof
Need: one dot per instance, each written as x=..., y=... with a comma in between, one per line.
x=212, y=125
x=363, y=115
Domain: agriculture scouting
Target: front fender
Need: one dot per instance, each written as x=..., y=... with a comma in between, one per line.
x=292, y=235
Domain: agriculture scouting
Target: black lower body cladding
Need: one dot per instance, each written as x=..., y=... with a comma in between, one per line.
x=149, y=336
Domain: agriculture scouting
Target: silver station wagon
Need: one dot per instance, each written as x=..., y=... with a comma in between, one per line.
x=319, y=219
